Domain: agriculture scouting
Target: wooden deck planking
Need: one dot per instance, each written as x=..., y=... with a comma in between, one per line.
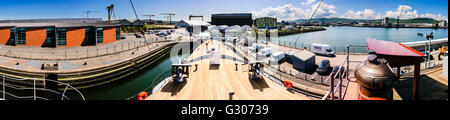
x=210, y=83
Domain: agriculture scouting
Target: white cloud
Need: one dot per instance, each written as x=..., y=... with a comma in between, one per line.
x=366, y=14
x=308, y=2
x=407, y=12
x=437, y=17
x=286, y=12
x=289, y=12
x=324, y=10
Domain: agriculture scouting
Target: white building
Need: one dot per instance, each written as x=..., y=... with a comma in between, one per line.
x=385, y=21
x=443, y=23
x=187, y=23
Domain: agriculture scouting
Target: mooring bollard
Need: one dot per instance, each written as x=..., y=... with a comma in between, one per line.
x=231, y=95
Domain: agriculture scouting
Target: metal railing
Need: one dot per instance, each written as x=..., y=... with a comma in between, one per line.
x=346, y=70
x=332, y=77
x=35, y=89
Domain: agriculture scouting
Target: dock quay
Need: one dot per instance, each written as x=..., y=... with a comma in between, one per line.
x=420, y=45
x=112, y=62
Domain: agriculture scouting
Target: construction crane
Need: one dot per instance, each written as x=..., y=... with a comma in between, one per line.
x=135, y=13
x=88, y=12
x=169, y=16
x=111, y=12
x=149, y=17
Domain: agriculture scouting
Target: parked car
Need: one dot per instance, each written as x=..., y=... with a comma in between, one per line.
x=324, y=67
x=162, y=35
x=337, y=71
x=277, y=57
x=137, y=35
x=322, y=49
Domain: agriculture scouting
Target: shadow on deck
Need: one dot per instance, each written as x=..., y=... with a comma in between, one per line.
x=259, y=84
x=173, y=87
x=430, y=89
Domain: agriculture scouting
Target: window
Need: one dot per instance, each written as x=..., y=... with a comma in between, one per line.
x=118, y=33
x=50, y=41
x=99, y=35
x=89, y=36
x=12, y=37
x=61, y=37
x=21, y=36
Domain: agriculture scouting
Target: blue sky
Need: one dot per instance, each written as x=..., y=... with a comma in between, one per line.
x=282, y=9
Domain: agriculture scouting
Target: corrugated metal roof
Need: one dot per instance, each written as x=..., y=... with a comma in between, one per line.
x=391, y=48
x=304, y=55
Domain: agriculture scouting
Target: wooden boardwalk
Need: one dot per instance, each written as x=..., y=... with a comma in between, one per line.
x=210, y=82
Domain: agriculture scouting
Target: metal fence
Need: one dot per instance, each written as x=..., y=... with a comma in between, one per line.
x=38, y=92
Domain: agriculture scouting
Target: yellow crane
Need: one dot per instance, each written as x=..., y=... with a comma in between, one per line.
x=111, y=12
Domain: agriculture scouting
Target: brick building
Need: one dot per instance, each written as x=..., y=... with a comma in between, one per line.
x=58, y=34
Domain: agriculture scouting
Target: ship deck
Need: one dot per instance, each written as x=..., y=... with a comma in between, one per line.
x=215, y=82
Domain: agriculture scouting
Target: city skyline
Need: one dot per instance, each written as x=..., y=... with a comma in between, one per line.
x=282, y=9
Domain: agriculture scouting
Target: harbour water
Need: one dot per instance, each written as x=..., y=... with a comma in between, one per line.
x=340, y=37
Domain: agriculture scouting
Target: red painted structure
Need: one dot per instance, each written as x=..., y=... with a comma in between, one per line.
x=399, y=55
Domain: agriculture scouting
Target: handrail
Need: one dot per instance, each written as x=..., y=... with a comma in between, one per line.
x=35, y=97
x=332, y=76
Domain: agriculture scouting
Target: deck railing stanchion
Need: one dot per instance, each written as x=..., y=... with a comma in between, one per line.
x=4, y=97
x=348, y=62
x=332, y=88
x=340, y=84
x=62, y=97
x=34, y=88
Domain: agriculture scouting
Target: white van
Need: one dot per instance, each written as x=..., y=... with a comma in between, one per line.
x=265, y=52
x=322, y=49
x=277, y=57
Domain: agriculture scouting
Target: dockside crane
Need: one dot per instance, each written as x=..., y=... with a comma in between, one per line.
x=111, y=13
x=169, y=16
x=149, y=17
x=88, y=12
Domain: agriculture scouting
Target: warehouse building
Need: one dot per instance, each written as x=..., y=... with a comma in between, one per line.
x=266, y=23
x=231, y=19
x=190, y=24
x=58, y=34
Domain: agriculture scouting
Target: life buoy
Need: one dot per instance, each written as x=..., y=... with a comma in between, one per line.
x=287, y=84
x=376, y=98
x=142, y=96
